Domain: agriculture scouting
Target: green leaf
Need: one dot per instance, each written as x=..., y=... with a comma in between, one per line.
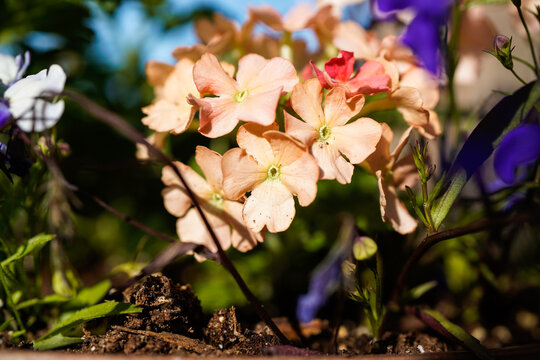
x=90, y=296
x=93, y=312
x=439, y=323
x=417, y=291
x=30, y=246
x=55, y=342
x=505, y=116
x=47, y=300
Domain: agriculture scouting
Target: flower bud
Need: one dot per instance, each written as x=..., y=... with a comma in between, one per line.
x=502, y=50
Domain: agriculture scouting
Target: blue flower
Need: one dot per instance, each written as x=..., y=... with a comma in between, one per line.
x=518, y=148
x=424, y=33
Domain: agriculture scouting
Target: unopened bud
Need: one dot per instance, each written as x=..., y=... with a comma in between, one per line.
x=502, y=50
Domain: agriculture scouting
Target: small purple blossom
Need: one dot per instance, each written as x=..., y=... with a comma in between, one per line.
x=424, y=33
x=518, y=148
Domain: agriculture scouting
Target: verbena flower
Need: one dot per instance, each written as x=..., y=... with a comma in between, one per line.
x=424, y=33
x=251, y=97
x=29, y=103
x=325, y=131
x=223, y=213
x=274, y=167
x=393, y=173
x=518, y=148
x=370, y=78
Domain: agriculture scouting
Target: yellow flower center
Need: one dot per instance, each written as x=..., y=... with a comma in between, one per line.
x=241, y=96
x=273, y=172
x=216, y=199
x=324, y=133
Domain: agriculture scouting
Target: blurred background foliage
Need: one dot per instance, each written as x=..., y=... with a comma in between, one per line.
x=103, y=46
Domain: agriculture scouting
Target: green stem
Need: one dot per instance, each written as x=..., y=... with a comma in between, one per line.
x=517, y=76
x=536, y=69
x=524, y=62
x=9, y=300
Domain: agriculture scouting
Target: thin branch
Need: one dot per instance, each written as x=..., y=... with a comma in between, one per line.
x=436, y=238
x=131, y=133
x=132, y=222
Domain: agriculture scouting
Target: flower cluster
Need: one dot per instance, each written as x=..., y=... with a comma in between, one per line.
x=299, y=124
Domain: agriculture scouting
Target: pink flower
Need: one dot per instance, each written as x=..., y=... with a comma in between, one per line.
x=252, y=97
x=170, y=112
x=223, y=213
x=370, y=79
x=325, y=130
x=274, y=167
x=393, y=174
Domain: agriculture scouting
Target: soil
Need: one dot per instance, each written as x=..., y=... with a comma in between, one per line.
x=171, y=322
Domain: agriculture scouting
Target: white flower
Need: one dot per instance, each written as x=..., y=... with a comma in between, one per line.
x=27, y=103
x=13, y=68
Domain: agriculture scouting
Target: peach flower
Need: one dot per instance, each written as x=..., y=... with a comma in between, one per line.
x=393, y=174
x=223, y=213
x=171, y=112
x=252, y=97
x=325, y=130
x=274, y=167
x=370, y=78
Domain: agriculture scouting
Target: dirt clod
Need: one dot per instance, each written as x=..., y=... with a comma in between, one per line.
x=166, y=307
x=223, y=330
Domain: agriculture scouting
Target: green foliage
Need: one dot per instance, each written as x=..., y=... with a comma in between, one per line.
x=443, y=326
x=30, y=246
x=80, y=317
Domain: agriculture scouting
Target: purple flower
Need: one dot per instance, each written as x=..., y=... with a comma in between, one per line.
x=4, y=112
x=518, y=148
x=324, y=281
x=424, y=33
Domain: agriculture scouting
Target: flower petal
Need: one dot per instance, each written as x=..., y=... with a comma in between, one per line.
x=243, y=239
x=191, y=228
x=210, y=163
x=176, y=200
x=210, y=77
x=338, y=109
x=519, y=147
x=358, y=139
x=393, y=210
x=218, y=116
x=157, y=72
x=260, y=107
x=299, y=170
x=259, y=75
x=165, y=116
x=196, y=183
x=241, y=173
x=380, y=158
x=409, y=104
x=404, y=172
x=370, y=79
x=300, y=129
x=270, y=204
x=250, y=138
x=340, y=68
x=332, y=165
x=306, y=100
